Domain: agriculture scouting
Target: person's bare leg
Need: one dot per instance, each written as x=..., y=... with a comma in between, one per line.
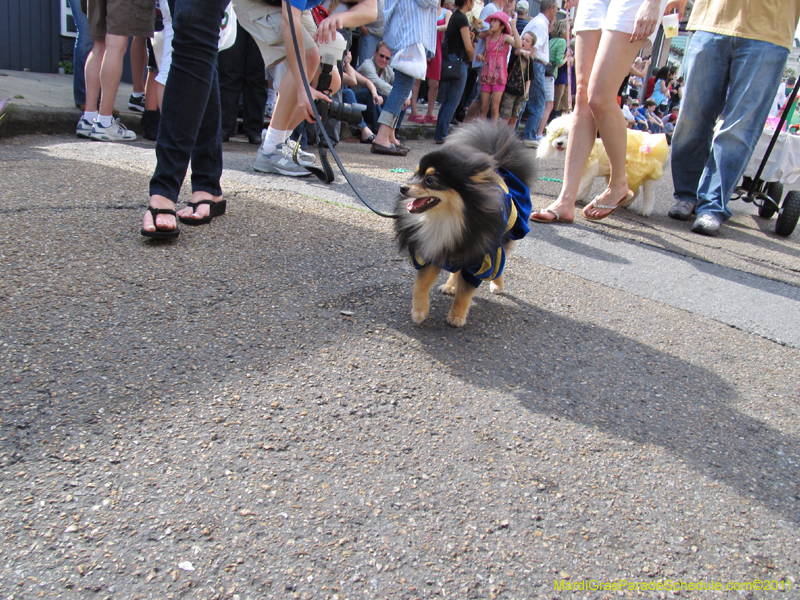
x=613, y=54
x=583, y=132
x=433, y=91
x=111, y=71
x=496, y=98
x=414, y=97
x=548, y=108
x=286, y=115
x=92, y=74
x=138, y=63
x=485, y=101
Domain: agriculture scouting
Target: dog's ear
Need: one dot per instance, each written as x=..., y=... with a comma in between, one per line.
x=485, y=176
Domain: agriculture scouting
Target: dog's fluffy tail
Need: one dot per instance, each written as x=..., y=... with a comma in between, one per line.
x=498, y=141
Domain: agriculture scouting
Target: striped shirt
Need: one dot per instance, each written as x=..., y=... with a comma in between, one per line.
x=408, y=22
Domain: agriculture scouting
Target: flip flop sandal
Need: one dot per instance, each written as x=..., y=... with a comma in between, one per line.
x=557, y=218
x=417, y=119
x=611, y=209
x=368, y=140
x=215, y=209
x=161, y=234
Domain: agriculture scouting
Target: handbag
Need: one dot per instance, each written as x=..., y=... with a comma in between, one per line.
x=451, y=69
x=411, y=60
x=549, y=69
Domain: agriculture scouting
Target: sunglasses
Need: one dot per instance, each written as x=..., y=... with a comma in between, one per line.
x=383, y=56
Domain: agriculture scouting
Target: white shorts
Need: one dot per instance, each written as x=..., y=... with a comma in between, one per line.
x=549, y=89
x=610, y=15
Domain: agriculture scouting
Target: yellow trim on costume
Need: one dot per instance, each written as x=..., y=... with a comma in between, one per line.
x=512, y=217
x=498, y=260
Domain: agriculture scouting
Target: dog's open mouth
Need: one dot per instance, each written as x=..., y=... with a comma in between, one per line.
x=418, y=205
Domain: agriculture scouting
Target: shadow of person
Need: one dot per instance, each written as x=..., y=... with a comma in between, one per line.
x=635, y=391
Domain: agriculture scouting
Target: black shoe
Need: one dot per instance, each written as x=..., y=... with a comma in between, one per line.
x=150, y=121
x=136, y=104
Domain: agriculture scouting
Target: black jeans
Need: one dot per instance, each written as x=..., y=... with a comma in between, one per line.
x=190, y=116
x=241, y=72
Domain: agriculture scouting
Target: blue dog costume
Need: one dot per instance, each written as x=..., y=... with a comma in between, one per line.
x=516, y=211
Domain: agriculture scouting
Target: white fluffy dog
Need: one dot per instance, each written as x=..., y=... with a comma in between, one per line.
x=644, y=163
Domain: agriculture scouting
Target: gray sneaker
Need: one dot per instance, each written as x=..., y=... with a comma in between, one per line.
x=682, y=210
x=278, y=162
x=304, y=158
x=116, y=132
x=707, y=224
x=84, y=128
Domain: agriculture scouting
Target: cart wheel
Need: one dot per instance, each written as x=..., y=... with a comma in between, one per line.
x=774, y=191
x=790, y=213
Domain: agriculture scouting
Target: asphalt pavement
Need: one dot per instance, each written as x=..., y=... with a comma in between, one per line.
x=250, y=412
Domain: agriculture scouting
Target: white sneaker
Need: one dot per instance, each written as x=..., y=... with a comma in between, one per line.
x=305, y=158
x=84, y=129
x=278, y=162
x=116, y=132
x=268, y=108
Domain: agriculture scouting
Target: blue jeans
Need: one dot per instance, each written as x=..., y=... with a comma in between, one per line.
x=392, y=111
x=349, y=97
x=83, y=45
x=190, y=126
x=536, y=102
x=734, y=76
x=367, y=45
x=450, y=92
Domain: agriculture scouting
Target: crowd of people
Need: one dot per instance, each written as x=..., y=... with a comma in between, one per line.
x=508, y=62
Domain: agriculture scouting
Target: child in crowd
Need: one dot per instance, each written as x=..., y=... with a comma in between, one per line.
x=518, y=83
x=500, y=37
x=646, y=119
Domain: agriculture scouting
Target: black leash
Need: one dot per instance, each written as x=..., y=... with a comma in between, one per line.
x=326, y=173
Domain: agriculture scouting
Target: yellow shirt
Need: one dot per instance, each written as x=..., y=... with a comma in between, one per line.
x=771, y=21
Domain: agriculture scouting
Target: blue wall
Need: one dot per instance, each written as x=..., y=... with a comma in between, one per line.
x=29, y=35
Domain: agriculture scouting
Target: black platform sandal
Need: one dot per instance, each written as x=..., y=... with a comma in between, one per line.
x=215, y=209
x=162, y=234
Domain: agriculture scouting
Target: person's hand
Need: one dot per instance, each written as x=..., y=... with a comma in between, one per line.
x=305, y=105
x=364, y=31
x=377, y=99
x=479, y=58
x=646, y=20
x=569, y=4
x=512, y=23
x=679, y=5
x=407, y=103
x=326, y=30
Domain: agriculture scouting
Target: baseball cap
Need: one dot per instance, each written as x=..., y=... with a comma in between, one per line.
x=522, y=6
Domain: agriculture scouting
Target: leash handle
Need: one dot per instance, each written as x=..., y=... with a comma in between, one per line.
x=323, y=174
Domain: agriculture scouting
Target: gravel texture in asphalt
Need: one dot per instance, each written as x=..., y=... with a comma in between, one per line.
x=250, y=413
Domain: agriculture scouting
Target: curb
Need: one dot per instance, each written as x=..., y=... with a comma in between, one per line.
x=22, y=120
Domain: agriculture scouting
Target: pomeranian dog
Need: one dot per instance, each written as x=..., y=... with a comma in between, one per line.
x=644, y=161
x=462, y=210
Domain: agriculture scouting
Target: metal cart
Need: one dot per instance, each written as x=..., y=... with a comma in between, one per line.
x=766, y=195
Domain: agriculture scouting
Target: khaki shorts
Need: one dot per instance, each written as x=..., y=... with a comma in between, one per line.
x=265, y=24
x=121, y=17
x=560, y=98
x=511, y=106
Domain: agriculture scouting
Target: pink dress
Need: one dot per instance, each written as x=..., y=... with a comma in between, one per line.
x=435, y=64
x=495, y=63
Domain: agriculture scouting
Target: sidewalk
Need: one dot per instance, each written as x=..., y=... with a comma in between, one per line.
x=43, y=103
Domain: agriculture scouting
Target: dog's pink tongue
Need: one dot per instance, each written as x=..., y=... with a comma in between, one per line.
x=417, y=204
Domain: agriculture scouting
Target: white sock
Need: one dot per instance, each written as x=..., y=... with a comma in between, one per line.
x=274, y=138
x=90, y=116
x=271, y=95
x=105, y=121
x=138, y=94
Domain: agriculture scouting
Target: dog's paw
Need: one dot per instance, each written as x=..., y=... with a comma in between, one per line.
x=456, y=321
x=646, y=211
x=448, y=288
x=496, y=288
x=418, y=316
